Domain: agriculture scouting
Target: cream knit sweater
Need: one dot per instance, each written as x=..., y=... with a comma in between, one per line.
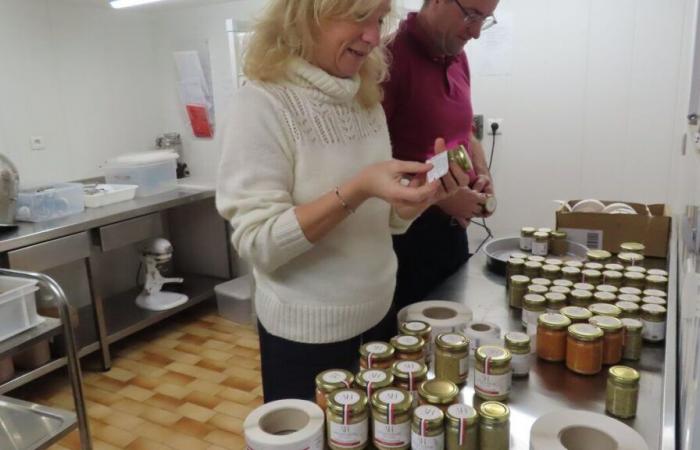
x=287, y=144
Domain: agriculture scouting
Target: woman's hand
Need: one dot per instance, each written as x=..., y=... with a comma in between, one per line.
x=386, y=180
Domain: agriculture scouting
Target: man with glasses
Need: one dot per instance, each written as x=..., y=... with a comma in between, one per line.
x=428, y=96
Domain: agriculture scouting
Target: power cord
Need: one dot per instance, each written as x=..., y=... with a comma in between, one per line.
x=489, y=234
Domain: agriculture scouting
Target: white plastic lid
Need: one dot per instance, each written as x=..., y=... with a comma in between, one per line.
x=144, y=157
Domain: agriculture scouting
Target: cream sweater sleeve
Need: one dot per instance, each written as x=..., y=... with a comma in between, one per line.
x=255, y=182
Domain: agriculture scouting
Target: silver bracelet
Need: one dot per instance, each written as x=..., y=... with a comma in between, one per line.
x=342, y=200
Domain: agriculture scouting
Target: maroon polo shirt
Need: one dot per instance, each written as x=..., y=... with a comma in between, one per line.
x=427, y=96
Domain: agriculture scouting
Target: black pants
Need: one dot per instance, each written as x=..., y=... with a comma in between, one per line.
x=432, y=249
x=289, y=368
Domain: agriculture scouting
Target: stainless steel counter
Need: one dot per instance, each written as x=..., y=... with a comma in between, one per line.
x=551, y=386
x=27, y=426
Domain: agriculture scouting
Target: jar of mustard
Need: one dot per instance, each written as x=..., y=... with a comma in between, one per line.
x=599, y=256
x=612, y=278
x=632, y=247
x=347, y=420
x=391, y=419
x=518, y=344
x=656, y=282
x=439, y=393
x=631, y=298
x=376, y=355
x=527, y=235
x=555, y=301
x=653, y=301
x=546, y=282
x=518, y=289
x=629, y=290
x=370, y=380
x=553, y=261
x=551, y=272
x=514, y=266
x=558, y=246
x=493, y=373
x=532, y=269
x=428, y=429
x=551, y=337
x=494, y=426
x=638, y=269
x=604, y=297
x=408, y=347
x=581, y=298
x=659, y=272
x=654, y=320
x=533, y=306
x=584, y=349
x=622, y=392
x=572, y=274
x=408, y=375
x=537, y=258
x=592, y=276
x=584, y=287
x=461, y=428
x=452, y=357
x=605, y=309
x=628, y=309
x=574, y=263
x=630, y=259
x=634, y=279
x=654, y=293
x=329, y=381
x=632, y=349
x=563, y=283
x=593, y=266
x=540, y=244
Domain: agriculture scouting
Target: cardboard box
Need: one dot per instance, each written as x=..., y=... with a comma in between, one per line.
x=650, y=226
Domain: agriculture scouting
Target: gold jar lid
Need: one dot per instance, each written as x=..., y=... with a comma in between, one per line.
x=354, y=399
x=519, y=255
x=516, y=261
x=555, y=298
x=655, y=279
x=604, y=309
x=553, y=262
x=460, y=156
x=415, y=328
x=332, y=379
x=614, y=267
x=585, y=332
x=632, y=247
x=407, y=343
x=452, y=341
x=604, y=297
x=568, y=270
x=606, y=323
x=629, y=298
x=576, y=313
x=624, y=375
x=634, y=276
x=632, y=324
x=554, y=321
x=541, y=236
x=537, y=289
x=551, y=269
x=629, y=290
x=517, y=339
x=612, y=275
x=378, y=377
x=563, y=283
x=584, y=287
x=598, y=255
x=659, y=272
x=629, y=258
x=536, y=258
x=606, y=288
x=497, y=356
x=628, y=307
x=405, y=370
x=636, y=269
x=653, y=309
x=582, y=295
x=558, y=234
x=544, y=230
x=438, y=392
x=519, y=280
x=541, y=281
x=527, y=231
x=398, y=399
x=428, y=416
x=654, y=293
x=653, y=301
x=379, y=351
x=593, y=266
x=461, y=413
x=494, y=412
x=534, y=301
x=533, y=265
x=563, y=290
x=574, y=264
x=591, y=273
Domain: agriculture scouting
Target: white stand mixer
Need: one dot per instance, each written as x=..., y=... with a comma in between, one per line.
x=157, y=252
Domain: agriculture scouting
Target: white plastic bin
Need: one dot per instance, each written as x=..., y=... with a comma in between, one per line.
x=17, y=306
x=50, y=202
x=235, y=300
x=153, y=172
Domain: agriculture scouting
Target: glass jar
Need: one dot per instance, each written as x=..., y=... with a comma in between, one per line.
x=347, y=420
x=553, y=262
x=555, y=301
x=630, y=259
x=653, y=301
x=551, y=337
x=518, y=289
x=527, y=235
x=576, y=314
x=638, y=269
x=628, y=309
x=606, y=288
x=452, y=357
x=584, y=349
x=632, y=347
x=654, y=293
x=612, y=278
x=514, y=266
x=421, y=329
x=622, y=392
x=461, y=428
x=592, y=276
x=564, y=290
x=612, y=338
x=408, y=347
x=604, y=297
x=532, y=269
x=541, y=282
x=551, y=272
x=574, y=263
x=580, y=298
x=584, y=287
x=329, y=381
x=572, y=274
x=540, y=244
x=557, y=243
x=518, y=344
x=409, y=375
x=605, y=309
x=376, y=355
x=536, y=258
x=494, y=426
x=533, y=306
x=593, y=266
x=391, y=419
x=371, y=380
x=439, y=393
x=632, y=247
x=599, y=256
x=634, y=279
x=492, y=372
x=460, y=156
x=616, y=267
x=655, y=282
x=629, y=298
x=659, y=272
x=563, y=283
x=427, y=429
x=537, y=288
x=545, y=230
x=629, y=290
x=654, y=320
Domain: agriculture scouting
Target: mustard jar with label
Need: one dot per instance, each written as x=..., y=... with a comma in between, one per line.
x=518, y=344
x=439, y=393
x=421, y=329
x=622, y=392
x=540, y=244
x=408, y=347
x=514, y=266
x=632, y=247
x=654, y=320
x=461, y=428
x=370, y=380
x=427, y=429
x=632, y=347
x=518, y=289
x=557, y=243
x=376, y=355
x=329, y=381
x=494, y=426
x=527, y=235
x=409, y=375
x=452, y=357
x=391, y=419
x=347, y=420
x=493, y=373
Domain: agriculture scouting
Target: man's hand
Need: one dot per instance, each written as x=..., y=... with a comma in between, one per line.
x=465, y=204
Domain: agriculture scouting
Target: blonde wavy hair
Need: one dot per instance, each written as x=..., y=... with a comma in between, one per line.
x=287, y=29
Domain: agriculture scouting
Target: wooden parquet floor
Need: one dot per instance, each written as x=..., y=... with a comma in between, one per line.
x=186, y=385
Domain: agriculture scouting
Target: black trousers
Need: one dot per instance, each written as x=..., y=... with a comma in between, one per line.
x=432, y=249
x=289, y=368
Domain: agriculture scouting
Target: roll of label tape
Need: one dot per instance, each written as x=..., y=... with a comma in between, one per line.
x=285, y=425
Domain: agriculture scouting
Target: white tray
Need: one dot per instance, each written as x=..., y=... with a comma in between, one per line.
x=106, y=194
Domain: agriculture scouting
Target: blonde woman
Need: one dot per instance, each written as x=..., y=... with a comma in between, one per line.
x=307, y=182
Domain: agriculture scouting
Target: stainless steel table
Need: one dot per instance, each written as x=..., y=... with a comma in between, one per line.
x=551, y=386
x=27, y=426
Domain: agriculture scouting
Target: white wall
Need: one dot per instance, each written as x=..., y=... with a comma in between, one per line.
x=81, y=76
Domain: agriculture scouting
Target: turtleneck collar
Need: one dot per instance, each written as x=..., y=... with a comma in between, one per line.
x=321, y=84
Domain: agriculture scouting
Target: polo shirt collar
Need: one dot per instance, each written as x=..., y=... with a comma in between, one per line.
x=422, y=40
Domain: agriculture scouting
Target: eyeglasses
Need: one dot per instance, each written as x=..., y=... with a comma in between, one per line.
x=471, y=16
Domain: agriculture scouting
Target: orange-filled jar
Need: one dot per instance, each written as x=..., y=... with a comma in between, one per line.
x=613, y=338
x=376, y=355
x=408, y=348
x=584, y=349
x=551, y=336
x=330, y=381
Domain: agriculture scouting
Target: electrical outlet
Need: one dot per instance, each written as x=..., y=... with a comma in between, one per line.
x=37, y=143
x=491, y=121
x=478, y=126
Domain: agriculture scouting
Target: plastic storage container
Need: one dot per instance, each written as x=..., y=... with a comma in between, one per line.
x=105, y=194
x=234, y=300
x=50, y=202
x=153, y=172
x=17, y=306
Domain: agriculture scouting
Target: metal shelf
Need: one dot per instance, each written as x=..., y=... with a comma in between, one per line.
x=47, y=329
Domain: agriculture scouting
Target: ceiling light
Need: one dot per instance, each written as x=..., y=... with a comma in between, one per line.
x=127, y=3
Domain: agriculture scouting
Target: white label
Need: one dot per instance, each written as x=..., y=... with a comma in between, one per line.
x=463, y=366
x=391, y=396
x=335, y=376
x=408, y=366
x=654, y=331
x=592, y=239
x=392, y=436
x=520, y=364
x=349, y=436
x=375, y=376
x=452, y=339
x=460, y=411
x=526, y=243
x=427, y=412
x=540, y=248
x=347, y=397
x=419, y=442
x=414, y=326
x=440, y=166
x=492, y=384
x=377, y=348
x=407, y=340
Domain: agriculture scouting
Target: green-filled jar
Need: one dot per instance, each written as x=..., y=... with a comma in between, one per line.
x=612, y=278
x=526, y=238
x=592, y=276
x=628, y=309
x=532, y=269
x=593, y=266
x=514, y=266
x=659, y=272
x=347, y=420
x=546, y=282
x=461, y=430
x=551, y=272
x=637, y=269
x=622, y=392
x=391, y=419
x=572, y=274
x=452, y=357
x=427, y=429
x=629, y=298
x=537, y=258
x=558, y=246
x=615, y=267
x=632, y=348
x=518, y=289
x=606, y=288
x=494, y=426
x=653, y=301
x=630, y=259
x=580, y=298
x=564, y=290
x=654, y=293
x=537, y=289
x=493, y=373
x=574, y=263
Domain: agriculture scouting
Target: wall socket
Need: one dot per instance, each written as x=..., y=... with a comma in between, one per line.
x=37, y=143
x=478, y=126
x=500, y=125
